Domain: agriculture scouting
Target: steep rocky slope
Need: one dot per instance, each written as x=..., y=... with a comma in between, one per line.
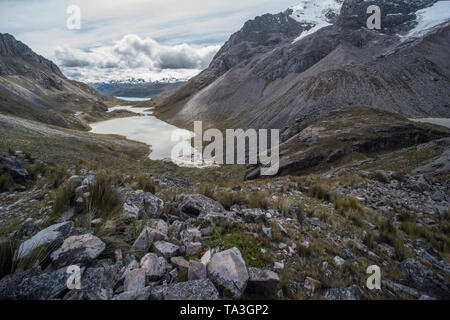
x=33, y=87
x=266, y=75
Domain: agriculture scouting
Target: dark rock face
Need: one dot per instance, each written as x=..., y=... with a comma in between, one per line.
x=15, y=168
x=34, y=285
x=11, y=48
x=425, y=279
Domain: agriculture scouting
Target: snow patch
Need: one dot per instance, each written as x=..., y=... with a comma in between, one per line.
x=315, y=13
x=429, y=18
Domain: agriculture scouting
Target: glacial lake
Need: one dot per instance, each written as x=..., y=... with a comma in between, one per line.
x=145, y=128
x=445, y=122
x=133, y=99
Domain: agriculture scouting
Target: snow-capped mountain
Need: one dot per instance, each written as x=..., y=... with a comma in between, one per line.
x=137, y=87
x=319, y=56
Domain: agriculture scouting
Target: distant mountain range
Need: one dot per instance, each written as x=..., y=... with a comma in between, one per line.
x=137, y=87
x=318, y=57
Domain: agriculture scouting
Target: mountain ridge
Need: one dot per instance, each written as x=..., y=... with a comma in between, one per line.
x=321, y=68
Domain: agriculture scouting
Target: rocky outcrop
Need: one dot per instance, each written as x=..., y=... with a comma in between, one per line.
x=227, y=269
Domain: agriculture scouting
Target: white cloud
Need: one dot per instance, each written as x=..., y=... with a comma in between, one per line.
x=175, y=27
x=133, y=54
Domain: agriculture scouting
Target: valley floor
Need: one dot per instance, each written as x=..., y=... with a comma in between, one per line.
x=151, y=230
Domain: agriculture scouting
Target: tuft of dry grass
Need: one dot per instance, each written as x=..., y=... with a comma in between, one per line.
x=104, y=197
x=6, y=183
x=260, y=199
x=319, y=191
x=230, y=198
x=146, y=184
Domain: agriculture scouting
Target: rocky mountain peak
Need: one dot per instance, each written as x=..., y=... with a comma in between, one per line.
x=16, y=58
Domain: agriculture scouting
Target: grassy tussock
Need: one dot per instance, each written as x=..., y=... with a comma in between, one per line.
x=146, y=184
x=260, y=199
x=63, y=198
x=230, y=198
x=104, y=198
x=319, y=191
x=6, y=183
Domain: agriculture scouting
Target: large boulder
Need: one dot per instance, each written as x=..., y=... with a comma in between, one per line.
x=227, y=269
x=165, y=249
x=81, y=249
x=190, y=291
x=146, y=238
x=155, y=267
x=47, y=240
x=34, y=284
x=262, y=282
x=139, y=204
x=198, y=204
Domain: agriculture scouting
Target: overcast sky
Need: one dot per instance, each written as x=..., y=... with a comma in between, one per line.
x=118, y=39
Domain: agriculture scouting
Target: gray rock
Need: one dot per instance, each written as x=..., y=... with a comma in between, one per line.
x=132, y=265
x=160, y=226
x=155, y=267
x=192, y=248
x=135, y=280
x=49, y=239
x=180, y=262
x=267, y=232
x=12, y=166
x=197, y=271
x=26, y=231
x=146, y=238
x=191, y=235
x=227, y=270
x=192, y=291
x=78, y=250
x=139, y=204
x=197, y=205
x=165, y=249
x=349, y=293
x=424, y=279
x=95, y=285
x=140, y=295
x=262, y=282
x=34, y=284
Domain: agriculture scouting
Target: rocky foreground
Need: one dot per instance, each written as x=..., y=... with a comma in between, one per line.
x=163, y=237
